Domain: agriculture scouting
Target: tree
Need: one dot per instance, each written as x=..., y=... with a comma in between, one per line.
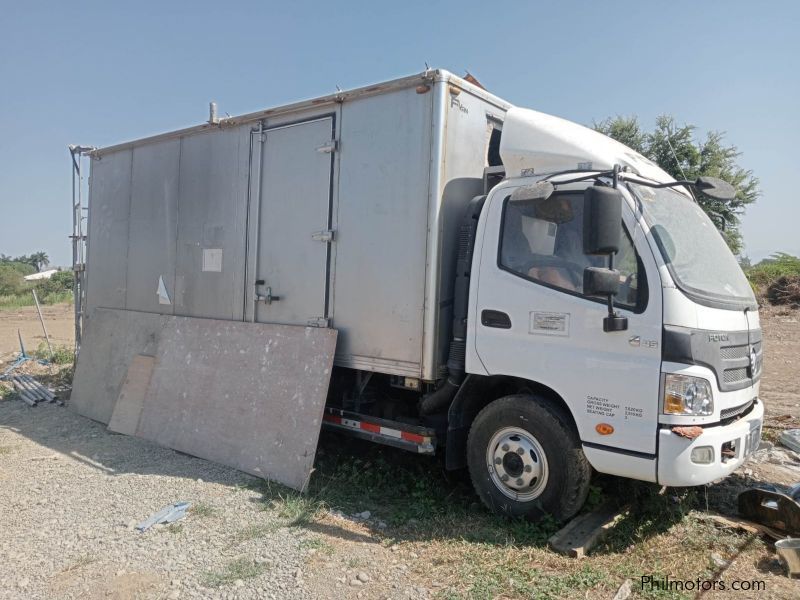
x=674, y=148
x=39, y=260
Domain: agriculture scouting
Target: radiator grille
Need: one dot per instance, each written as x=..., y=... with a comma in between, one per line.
x=736, y=410
x=735, y=375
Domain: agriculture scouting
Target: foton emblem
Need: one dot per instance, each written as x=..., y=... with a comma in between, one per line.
x=717, y=337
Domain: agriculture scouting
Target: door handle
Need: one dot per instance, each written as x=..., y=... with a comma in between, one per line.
x=267, y=298
x=495, y=318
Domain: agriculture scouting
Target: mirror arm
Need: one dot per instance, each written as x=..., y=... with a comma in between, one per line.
x=614, y=321
x=684, y=182
x=713, y=187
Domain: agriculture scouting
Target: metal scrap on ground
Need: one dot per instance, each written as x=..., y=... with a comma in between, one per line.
x=31, y=391
x=791, y=439
x=168, y=514
x=772, y=508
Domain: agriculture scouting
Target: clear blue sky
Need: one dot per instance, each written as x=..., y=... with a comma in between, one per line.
x=97, y=73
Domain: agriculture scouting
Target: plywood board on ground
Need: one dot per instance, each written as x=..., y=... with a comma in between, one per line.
x=247, y=395
x=128, y=409
x=111, y=339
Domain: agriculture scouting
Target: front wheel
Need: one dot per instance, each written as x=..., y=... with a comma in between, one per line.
x=525, y=459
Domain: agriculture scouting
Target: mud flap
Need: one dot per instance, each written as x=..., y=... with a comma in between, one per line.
x=247, y=395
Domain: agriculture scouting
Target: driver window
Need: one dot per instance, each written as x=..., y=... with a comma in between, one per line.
x=543, y=241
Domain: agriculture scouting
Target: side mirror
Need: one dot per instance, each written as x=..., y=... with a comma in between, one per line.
x=602, y=232
x=715, y=188
x=600, y=282
x=602, y=220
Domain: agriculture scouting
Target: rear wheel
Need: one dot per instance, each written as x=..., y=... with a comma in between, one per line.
x=525, y=459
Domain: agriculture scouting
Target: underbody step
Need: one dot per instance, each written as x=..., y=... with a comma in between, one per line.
x=421, y=440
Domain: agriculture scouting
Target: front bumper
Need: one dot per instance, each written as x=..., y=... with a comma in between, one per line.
x=675, y=466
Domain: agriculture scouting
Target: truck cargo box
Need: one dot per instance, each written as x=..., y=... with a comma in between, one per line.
x=336, y=212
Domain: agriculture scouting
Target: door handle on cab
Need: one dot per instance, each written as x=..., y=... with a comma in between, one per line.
x=495, y=318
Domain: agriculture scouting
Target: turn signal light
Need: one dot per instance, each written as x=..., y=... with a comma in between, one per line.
x=673, y=404
x=604, y=429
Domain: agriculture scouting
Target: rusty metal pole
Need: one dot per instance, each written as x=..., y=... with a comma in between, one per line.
x=44, y=327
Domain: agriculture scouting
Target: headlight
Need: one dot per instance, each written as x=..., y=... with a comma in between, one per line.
x=685, y=395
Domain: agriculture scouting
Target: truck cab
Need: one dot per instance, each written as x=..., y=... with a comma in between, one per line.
x=671, y=397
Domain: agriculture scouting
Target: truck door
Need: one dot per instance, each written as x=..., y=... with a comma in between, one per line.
x=533, y=321
x=290, y=277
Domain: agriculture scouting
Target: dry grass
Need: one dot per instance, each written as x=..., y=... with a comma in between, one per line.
x=463, y=551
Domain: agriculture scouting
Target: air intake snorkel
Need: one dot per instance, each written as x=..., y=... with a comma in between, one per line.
x=440, y=399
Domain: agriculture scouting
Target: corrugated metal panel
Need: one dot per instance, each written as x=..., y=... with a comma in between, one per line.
x=153, y=226
x=107, y=241
x=211, y=224
x=379, y=286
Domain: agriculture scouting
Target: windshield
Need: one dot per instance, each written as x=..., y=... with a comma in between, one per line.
x=697, y=256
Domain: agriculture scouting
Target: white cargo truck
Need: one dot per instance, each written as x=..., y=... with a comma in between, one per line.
x=529, y=297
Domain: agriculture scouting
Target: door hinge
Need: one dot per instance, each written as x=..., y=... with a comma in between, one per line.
x=326, y=235
x=328, y=147
x=319, y=322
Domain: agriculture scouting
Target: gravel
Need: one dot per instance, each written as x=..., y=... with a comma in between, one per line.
x=71, y=494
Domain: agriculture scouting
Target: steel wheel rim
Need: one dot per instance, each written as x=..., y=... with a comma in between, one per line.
x=517, y=464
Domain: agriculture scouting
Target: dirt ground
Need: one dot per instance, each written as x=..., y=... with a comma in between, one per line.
x=58, y=318
x=377, y=523
x=780, y=383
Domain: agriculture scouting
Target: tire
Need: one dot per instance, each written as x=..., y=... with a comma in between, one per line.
x=525, y=459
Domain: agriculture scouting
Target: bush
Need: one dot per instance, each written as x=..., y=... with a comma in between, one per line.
x=20, y=267
x=59, y=282
x=785, y=290
x=62, y=355
x=11, y=279
x=770, y=271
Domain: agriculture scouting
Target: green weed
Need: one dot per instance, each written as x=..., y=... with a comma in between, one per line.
x=252, y=532
x=317, y=544
x=202, y=509
x=241, y=568
x=62, y=355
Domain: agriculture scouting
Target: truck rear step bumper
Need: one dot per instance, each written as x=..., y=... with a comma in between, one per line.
x=382, y=431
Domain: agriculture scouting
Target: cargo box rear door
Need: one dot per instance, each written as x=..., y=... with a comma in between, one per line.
x=290, y=284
